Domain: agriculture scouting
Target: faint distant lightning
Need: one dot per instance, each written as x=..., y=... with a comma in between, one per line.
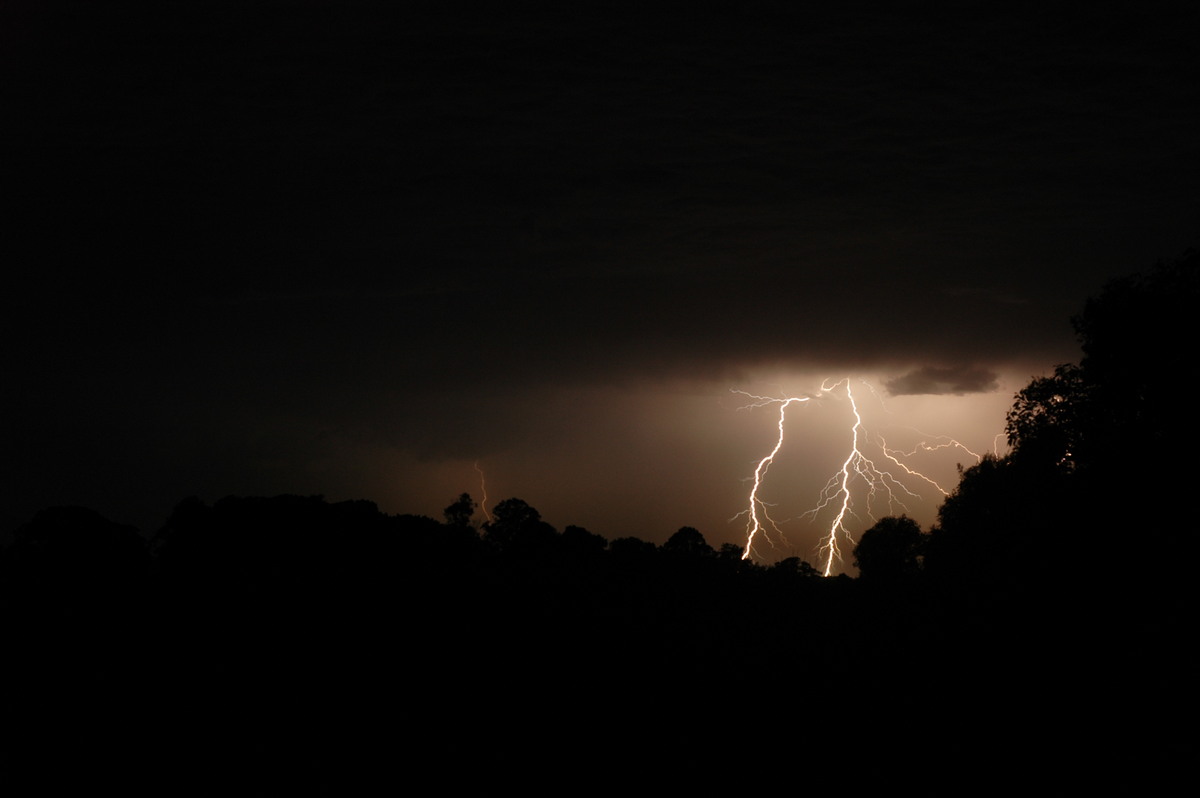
x=838, y=492
x=483, y=489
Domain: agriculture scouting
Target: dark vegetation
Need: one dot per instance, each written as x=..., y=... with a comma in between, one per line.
x=1038, y=631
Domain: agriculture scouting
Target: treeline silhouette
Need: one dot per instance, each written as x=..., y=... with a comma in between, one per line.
x=298, y=639
x=296, y=642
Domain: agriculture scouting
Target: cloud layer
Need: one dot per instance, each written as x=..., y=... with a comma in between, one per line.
x=957, y=380
x=266, y=253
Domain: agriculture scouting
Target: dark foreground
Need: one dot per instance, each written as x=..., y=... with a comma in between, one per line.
x=284, y=643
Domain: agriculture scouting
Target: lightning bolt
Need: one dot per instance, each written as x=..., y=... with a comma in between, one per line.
x=483, y=490
x=944, y=442
x=880, y=485
x=856, y=462
x=754, y=524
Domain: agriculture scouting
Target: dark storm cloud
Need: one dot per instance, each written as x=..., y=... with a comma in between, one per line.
x=746, y=186
x=403, y=222
x=955, y=380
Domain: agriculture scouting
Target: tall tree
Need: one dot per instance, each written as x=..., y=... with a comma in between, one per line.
x=459, y=513
x=517, y=525
x=1095, y=469
x=688, y=541
x=890, y=550
x=1123, y=398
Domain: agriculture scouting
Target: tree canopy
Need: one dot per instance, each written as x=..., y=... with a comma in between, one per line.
x=1094, y=467
x=890, y=550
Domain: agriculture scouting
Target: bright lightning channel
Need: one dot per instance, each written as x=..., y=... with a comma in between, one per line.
x=754, y=525
x=838, y=491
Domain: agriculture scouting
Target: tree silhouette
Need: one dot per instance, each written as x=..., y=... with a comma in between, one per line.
x=688, y=542
x=1112, y=422
x=516, y=525
x=1094, y=460
x=579, y=541
x=1047, y=422
x=1121, y=400
x=459, y=513
x=1005, y=523
x=794, y=566
x=890, y=550
x=71, y=562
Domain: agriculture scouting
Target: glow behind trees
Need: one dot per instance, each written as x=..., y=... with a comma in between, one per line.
x=858, y=476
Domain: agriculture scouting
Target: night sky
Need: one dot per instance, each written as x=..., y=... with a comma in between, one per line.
x=355, y=248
